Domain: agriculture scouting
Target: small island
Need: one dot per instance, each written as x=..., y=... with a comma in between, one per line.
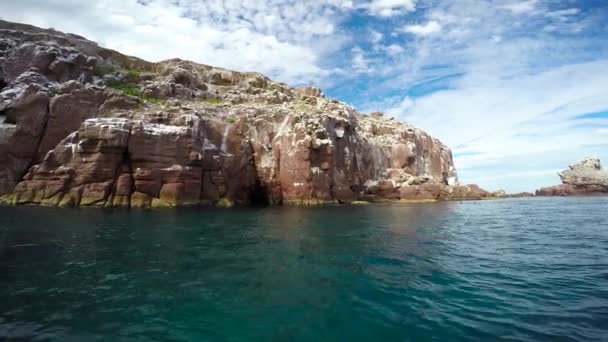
x=582, y=178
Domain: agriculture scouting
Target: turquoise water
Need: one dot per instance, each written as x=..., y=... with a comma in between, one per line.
x=520, y=269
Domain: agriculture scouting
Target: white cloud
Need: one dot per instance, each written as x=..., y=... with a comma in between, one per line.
x=401, y=107
x=375, y=36
x=387, y=8
x=563, y=15
x=522, y=7
x=422, y=30
x=394, y=49
x=359, y=62
x=564, y=12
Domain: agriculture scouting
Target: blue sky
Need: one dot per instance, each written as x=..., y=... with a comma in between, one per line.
x=517, y=88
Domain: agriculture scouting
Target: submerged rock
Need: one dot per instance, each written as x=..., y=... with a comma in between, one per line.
x=85, y=126
x=583, y=178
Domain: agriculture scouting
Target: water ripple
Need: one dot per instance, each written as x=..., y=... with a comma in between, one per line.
x=513, y=270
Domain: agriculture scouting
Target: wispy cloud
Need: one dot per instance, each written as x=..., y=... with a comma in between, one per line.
x=375, y=36
x=422, y=29
x=520, y=7
x=387, y=8
x=359, y=62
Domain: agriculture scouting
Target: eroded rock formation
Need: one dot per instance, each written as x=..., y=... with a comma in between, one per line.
x=583, y=178
x=85, y=126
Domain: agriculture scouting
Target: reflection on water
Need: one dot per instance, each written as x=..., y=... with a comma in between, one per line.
x=526, y=269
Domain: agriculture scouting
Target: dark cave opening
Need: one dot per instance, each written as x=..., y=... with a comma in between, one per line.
x=258, y=195
x=2, y=84
x=7, y=118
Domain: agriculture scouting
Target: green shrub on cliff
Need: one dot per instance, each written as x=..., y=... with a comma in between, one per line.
x=55, y=91
x=212, y=100
x=231, y=119
x=132, y=89
x=101, y=70
x=126, y=88
x=133, y=76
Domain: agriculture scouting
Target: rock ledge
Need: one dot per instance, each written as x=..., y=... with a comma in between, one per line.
x=583, y=178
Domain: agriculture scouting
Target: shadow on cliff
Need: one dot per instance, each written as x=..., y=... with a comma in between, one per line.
x=258, y=196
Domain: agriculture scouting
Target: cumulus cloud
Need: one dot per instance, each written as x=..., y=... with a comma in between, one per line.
x=387, y=8
x=393, y=49
x=422, y=30
x=359, y=62
x=522, y=7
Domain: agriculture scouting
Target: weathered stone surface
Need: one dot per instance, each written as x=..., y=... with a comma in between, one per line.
x=24, y=111
x=582, y=178
x=45, y=94
x=67, y=111
x=25, y=50
x=177, y=133
x=166, y=159
x=559, y=190
x=95, y=194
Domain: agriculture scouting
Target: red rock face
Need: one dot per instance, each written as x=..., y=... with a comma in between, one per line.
x=195, y=135
x=166, y=161
x=85, y=163
x=25, y=115
x=66, y=112
x=177, y=159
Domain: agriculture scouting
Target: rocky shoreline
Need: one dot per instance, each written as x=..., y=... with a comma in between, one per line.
x=81, y=125
x=584, y=178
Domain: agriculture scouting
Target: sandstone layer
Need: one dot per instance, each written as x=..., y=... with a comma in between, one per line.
x=583, y=178
x=81, y=125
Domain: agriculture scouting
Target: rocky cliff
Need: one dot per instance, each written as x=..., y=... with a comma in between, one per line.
x=81, y=125
x=583, y=178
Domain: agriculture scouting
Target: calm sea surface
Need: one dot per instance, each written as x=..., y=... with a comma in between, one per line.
x=520, y=270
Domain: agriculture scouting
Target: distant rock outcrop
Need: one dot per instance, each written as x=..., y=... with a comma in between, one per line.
x=583, y=178
x=520, y=195
x=81, y=125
